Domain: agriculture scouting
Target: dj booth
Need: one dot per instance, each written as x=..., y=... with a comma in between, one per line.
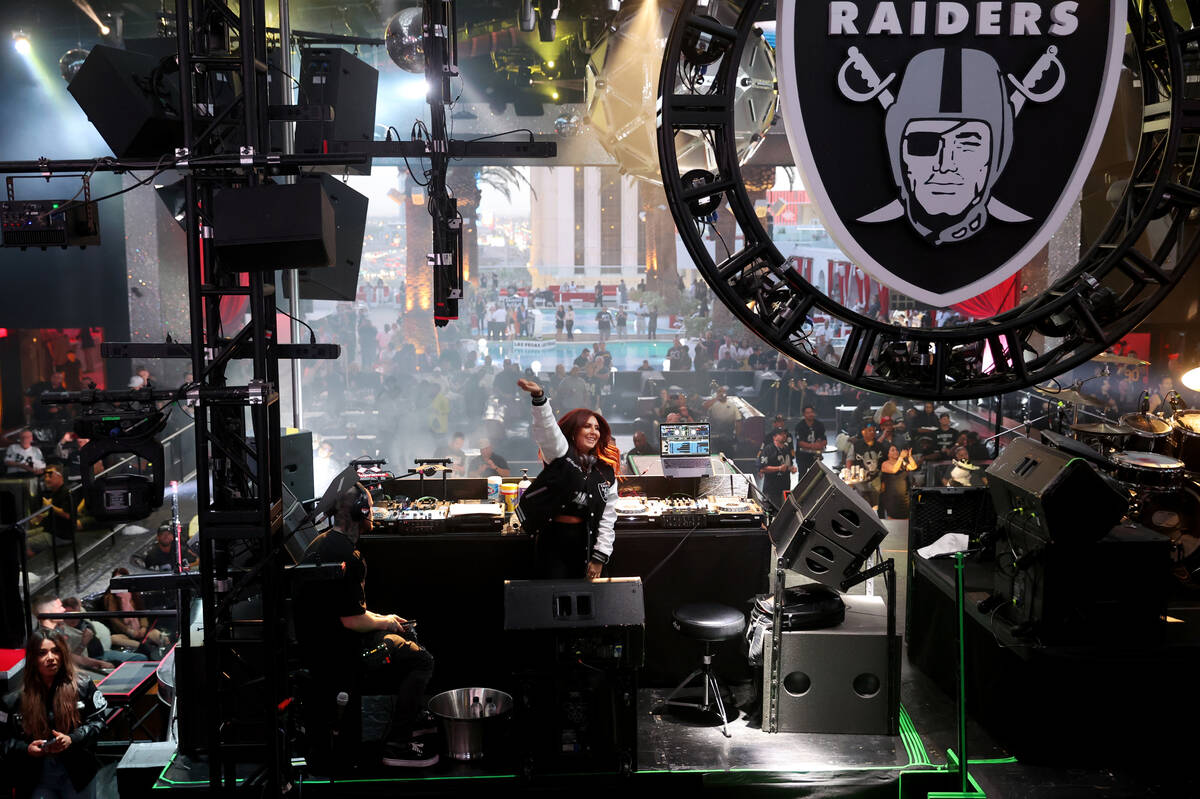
x=449, y=576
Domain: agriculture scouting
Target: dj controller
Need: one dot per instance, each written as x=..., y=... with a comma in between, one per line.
x=428, y=516
x=634, y=513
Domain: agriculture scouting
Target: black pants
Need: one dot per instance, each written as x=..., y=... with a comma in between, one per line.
x=562, y=552
x=388, y=668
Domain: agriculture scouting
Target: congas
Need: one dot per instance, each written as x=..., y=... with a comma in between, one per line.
x=1149, y=433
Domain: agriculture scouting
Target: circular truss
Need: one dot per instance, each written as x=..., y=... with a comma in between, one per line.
x=1113, y=286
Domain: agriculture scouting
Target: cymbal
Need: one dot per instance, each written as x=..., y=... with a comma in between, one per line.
x=1112, y=357
x=1102, y=429
x=1070, y=395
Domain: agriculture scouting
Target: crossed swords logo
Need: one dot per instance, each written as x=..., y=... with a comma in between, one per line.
x=1023, y=91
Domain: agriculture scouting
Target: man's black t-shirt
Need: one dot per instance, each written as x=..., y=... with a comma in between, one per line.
x=488, y=471
x=868, y=456
x=323, y=637
x=945, y=438
x=60, y=528
x=810, y=435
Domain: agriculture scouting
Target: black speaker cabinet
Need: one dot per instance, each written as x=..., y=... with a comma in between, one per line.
x=134, y=107
x=297, y=451
x=1062, y=496
x=835, y=680
x=268, y=227
x=825, y=530
x=337, y=79
x=937, y=510
x=339, y=281
x=1111, y=592
x=577, y=720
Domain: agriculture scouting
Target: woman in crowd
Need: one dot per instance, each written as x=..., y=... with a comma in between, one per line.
x=132, y=631
x=582, y=463
x=893, y=499
x=48, y=729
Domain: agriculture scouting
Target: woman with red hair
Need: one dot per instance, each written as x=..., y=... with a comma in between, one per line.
x=582, y=464
x=48, y=729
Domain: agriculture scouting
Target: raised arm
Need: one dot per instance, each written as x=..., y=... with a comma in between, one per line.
x=544, y=428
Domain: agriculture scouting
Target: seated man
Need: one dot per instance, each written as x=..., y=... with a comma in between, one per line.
x=24, y=459
x=59, y=520
x=489, y=463
x=162, y=555
x=377, y=652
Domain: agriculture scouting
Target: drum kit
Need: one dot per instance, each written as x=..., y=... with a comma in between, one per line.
x=1156, y=458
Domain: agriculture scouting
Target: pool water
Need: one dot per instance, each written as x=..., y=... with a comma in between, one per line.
x=626, y=355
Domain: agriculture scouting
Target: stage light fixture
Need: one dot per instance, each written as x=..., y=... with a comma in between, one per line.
x=1191, y=379
x=22, y=43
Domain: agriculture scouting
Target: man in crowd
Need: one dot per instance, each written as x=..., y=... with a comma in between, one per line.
x=810, y=439
x=868, y=453
x=454, y=451
x=946, y=437
x=641, y=446
x=777, y=424
x=489, y=463
x=604, y=323
x=583, y=358
x=59, y=519
x=23, y=458
x=377, y=652
x=162, y=555
x=775, y=466
x=722, y=421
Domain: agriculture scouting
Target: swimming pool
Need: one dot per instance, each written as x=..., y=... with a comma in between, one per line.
x=543, y=356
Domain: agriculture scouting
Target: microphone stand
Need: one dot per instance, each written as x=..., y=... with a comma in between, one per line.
x=752, y=488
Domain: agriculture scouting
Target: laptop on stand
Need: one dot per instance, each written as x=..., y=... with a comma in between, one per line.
x=685, y=449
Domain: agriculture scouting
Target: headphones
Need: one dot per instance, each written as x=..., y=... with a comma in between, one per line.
x=362, y=508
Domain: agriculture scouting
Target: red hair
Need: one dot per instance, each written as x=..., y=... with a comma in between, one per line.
x=606, y=450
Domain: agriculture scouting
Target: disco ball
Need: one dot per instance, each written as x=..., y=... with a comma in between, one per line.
x=622, y=84
x=71, y=61
x=405, y=39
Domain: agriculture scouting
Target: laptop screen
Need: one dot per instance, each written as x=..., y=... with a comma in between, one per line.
x=678, y=440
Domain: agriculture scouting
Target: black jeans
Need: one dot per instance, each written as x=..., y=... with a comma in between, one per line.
x=561, y=552
x=389, y=668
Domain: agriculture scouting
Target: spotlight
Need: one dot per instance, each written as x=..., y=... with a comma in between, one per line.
x=104, y=29
x=702, y=207
x=550, y=64
x=554, y=95
x=21, y=43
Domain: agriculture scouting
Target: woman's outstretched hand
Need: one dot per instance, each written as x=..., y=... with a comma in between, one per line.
x=529, y=385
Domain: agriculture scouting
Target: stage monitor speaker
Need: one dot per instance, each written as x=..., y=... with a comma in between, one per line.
x=825, y=530
x=1113, y=591
x=834, y=680
x=349, y=85
x=268, y=227
x=131, y=101
x=1062, y=496
x=340, y=280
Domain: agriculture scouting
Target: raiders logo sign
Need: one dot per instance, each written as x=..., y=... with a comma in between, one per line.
x=945, y=142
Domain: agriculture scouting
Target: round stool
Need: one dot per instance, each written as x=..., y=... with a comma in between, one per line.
x=711, y=623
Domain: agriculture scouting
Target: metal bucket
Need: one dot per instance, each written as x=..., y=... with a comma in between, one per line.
x=471, y=719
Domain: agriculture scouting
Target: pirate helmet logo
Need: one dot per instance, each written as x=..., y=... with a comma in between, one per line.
x=951, y=182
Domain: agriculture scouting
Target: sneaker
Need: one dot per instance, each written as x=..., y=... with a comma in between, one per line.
x=424, y=724
x=413, y=754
